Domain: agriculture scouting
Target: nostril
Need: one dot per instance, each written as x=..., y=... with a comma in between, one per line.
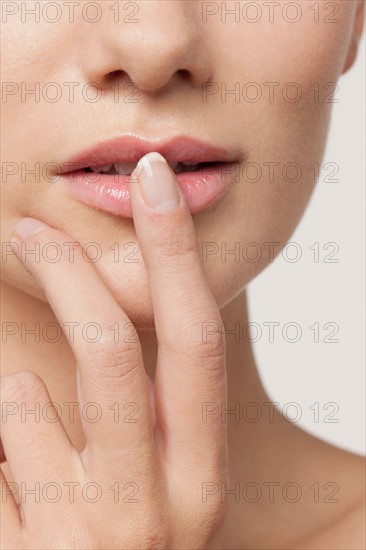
x=184, y=72
x=115, y=75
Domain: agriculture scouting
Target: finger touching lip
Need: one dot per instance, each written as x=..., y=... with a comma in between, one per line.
x=101, y=176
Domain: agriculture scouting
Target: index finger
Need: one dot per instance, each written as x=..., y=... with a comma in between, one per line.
x=111, y=374
x=191, y=357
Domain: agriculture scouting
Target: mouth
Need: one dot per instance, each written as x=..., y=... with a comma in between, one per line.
x=126, y=169
x=100, y=177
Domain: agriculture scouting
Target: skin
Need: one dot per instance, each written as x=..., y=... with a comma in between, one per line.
x=169, y=292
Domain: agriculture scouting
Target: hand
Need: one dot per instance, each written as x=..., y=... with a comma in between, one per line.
x=149, y=475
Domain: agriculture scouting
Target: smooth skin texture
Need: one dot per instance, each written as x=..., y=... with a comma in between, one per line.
x=168, y=293
x=110, y=372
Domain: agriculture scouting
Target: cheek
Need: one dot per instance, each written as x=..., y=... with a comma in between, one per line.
x=298, y=41
x=293, y=71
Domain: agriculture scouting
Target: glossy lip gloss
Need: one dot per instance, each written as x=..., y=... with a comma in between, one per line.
x=209, y=173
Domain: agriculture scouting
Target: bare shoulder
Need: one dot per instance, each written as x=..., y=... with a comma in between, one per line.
x=345, y=531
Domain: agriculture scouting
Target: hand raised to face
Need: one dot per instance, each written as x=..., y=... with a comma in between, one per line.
x=148, y=474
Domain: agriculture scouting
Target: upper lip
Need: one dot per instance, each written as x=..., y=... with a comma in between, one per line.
x=130, y=149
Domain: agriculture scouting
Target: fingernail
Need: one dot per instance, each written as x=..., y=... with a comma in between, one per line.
x=27, y=227
x=157, y=183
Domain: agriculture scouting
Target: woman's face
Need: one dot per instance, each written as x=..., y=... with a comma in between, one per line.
x=256, y=79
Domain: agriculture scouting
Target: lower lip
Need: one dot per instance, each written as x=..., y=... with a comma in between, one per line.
x=111, y=193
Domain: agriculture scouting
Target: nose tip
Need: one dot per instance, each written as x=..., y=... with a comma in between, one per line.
x=159, y=65
x=164, y=47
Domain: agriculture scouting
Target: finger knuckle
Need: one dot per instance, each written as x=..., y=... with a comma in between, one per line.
x=181, y=247
x=22, y=386
x=111, y=360
x=155, y=534
x=206, y=338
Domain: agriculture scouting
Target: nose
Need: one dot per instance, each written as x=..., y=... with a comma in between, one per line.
x=163, y=44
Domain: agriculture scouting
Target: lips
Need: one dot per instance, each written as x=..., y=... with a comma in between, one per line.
x=126, y=168
x=100, y=176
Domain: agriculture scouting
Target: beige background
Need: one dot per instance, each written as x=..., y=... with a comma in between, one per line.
x=306, y=292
